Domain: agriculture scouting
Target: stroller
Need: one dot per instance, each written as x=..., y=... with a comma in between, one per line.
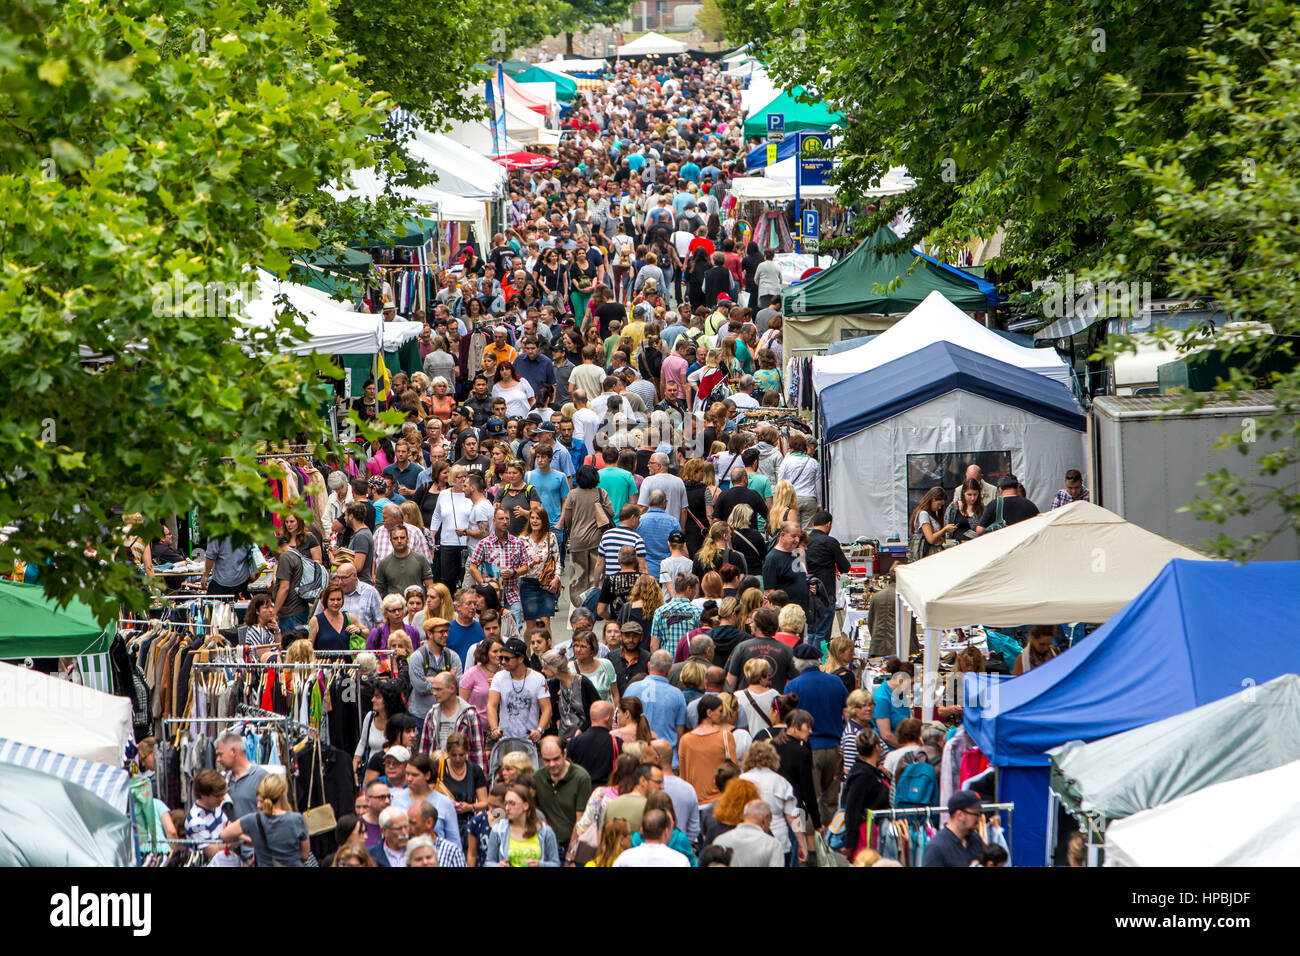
x=509, y=745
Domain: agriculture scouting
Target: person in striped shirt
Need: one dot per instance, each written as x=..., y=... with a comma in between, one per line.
x=624, y=533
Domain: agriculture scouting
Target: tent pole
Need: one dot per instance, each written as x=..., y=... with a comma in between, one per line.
x=901, y=640
x=930, y=665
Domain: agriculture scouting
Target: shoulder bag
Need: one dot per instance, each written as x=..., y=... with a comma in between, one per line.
x=319, y=819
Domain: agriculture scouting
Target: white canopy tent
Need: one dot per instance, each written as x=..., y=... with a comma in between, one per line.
x=314, y=301
x=935, y=320
x=542, y=89
x=576, y=66
x=652, y=44
x=762, y=189
x=477, y=136
x=461, y=171
x=367, y=184
x=1077, y=563
x=759, y=93
x=330, y=329
x=1261, y=809
x=66, y=718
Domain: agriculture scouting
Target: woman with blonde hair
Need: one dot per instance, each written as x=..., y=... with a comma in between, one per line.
x=785, y=506
x=839, y=662
x=716, y=551
x=699, y=502
x=642, y=602
x=615, y=837
x=279, y=835
x=751, y=599
x=442, y=401
x=411, y=514
x=439, y=603
x=513, y=765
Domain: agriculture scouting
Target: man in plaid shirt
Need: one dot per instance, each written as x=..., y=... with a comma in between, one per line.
x=501, y=555
x=676, y=618
x=1073, y=490
x=451, y=714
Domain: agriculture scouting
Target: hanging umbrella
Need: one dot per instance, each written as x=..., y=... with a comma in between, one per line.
x=526, y=160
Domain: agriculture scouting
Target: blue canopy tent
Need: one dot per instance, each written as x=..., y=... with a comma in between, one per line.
x=1200, y=631
x=915, y=416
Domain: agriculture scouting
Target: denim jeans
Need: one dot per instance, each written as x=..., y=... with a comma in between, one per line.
x=822, y=630
x=287, y=624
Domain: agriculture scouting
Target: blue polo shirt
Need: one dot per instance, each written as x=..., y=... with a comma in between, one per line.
x=460, y=638
x=654, y=529
x=406, y=477
x=824, y=696
x=664, y=705
x=885, y=706
x=552, y=488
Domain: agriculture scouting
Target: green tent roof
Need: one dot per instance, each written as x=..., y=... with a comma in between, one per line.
x=566, y=87
x=414, y=231
x=513, y=67
x=337, y=258
x=798, y=116
x=860, y=284
x=31, y=625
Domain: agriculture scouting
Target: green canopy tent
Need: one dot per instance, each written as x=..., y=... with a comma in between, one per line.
x=511, y=67
x=566, y=87
x=798, y=115
x=337, y=272
x=31, y=625
x=864, y=291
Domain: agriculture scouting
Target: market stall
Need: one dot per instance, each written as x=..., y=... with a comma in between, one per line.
x=64, y=717
x=48, y=820
x=935, y=320
x=891, y=433
x=651, y=44
x=1198, y=632
x=32, y=625
x=801, y=110
x=1257, y=816
x=566, y=88
x=866, y=290
x=1252, y=731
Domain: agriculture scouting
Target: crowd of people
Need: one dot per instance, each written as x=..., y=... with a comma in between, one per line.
x=605, y=600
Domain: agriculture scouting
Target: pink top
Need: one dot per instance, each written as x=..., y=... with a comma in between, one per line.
x=377, y=464
x=674, y=370
x=474, y=686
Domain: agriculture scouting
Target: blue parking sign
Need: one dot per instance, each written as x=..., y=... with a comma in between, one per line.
x=811, y=224
x=775, y=127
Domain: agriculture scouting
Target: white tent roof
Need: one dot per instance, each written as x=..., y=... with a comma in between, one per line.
x=652, y=44
x=331, y=329
x=461, y=170
x=762, y=189
x=1260, y=810
x=759, y=93
x=542, y=89
x=1077, y=563
x=935, y=320
x=575, y=66
x=306, y=299
x=477, y=136
x=437, y=204
x=64, y=717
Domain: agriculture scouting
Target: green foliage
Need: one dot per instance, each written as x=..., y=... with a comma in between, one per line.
x=712, y=20
x=148, y=140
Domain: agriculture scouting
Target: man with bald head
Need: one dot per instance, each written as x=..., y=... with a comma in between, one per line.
x=686, y=802
x=586, y=421
x=596, y=749
x=383, y=535
x=987, y=491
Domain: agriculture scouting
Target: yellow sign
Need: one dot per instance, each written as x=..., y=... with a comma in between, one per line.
x=771, y=154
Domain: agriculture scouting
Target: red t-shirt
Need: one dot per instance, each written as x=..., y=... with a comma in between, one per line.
x=789, y=640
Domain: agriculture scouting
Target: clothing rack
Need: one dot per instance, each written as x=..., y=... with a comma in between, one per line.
x=362, y=650
x=197, y=596
x=931, y=811
x=129, y=622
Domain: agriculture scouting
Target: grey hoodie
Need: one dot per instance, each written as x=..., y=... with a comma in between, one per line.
x=769, y=461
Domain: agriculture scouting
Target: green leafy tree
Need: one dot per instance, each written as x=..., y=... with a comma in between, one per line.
x=1223, y=227
x=712, y=20
x=583, y=14
x=150, y=143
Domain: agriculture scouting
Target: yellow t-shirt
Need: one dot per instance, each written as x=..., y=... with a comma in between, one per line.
x=521, y=852
x=636, y=332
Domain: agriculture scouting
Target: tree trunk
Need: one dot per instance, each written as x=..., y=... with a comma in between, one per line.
x=568, y=44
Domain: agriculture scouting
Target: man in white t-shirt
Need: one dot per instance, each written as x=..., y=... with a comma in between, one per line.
x=519, y=703
x=744, y=397
x=656, y=829
x=585, y=421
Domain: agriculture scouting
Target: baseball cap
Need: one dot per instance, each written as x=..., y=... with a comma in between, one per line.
x=546, y=427
x=464, y=411
x=964, y=800
x=676, y=537
x=630, y=627
x=806, y=652
x=398, y=753
x=495, y=427
x=515, y=647
x=533, y=416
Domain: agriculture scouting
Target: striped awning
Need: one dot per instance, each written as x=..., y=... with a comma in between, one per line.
x=109, y=783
